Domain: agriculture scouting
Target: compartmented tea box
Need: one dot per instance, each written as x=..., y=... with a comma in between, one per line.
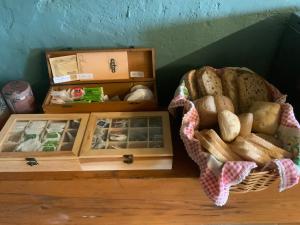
x=42, y=142
x=105, y=80
x=96, y=141
x=129, y=140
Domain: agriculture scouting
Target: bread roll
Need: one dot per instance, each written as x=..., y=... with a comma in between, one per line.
x=246, y=120
x=251, y=87
x=209, y=82
x=223, y=103
x=207, y=111
x=191, y=84
x=265, y=117
x=229, y=85
x=229, y=125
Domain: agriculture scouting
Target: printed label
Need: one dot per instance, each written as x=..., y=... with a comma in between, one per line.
x=85, y=76
x=136, y=74
x=62, y=79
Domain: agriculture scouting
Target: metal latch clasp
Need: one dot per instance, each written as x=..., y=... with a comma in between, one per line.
x=112, y=65
x=31, y=161
x=128, y=159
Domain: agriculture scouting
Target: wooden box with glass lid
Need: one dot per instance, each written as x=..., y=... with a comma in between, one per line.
x=127, y=141
x=42, y=142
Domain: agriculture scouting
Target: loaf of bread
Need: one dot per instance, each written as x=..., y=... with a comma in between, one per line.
x=249, y=151
x=208, y=108
x=246, y=120
x=229, y=125
x=209, y=82
x=272, y=150
x=207, y=111
x=190, y=81
x=229, y=85
x=213, y=143
x=265, y=117
x=251, y=87
x=223, y=103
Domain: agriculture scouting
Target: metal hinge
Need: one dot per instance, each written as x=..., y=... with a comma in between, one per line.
x=31, y=161
x=128, y=159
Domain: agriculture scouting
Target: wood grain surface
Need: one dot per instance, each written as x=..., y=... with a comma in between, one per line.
x=136, y=197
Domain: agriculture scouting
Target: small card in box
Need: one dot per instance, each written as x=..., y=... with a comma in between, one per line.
x=116, y=70
x=127, y=141
x=41, y=142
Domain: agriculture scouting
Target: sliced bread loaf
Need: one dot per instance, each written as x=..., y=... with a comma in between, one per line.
x=209, y=83
x=251, y=88
x=229, y=85
x=191, y=84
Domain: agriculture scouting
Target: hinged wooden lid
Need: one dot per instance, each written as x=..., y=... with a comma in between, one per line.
x=101, y=65
x=152, y=127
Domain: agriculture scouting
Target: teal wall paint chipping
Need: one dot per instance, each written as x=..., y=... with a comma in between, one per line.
x=174, y=27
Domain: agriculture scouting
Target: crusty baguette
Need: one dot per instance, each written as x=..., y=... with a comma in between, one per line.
x=272, y=150
x=249, y=151
x=191, y=84
x=214, y=136
x=251, y=87
x=209, y=83
x=229, y=85
x=211, y=148
x=229, y=125
x=215, y=148
x=246, y=120
x=270, y=139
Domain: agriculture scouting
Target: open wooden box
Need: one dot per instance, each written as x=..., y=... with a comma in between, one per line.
x=127, y=141
x=116, y=70
x=42, y=142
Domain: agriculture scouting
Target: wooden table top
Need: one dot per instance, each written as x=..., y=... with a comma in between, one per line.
x=136, y=197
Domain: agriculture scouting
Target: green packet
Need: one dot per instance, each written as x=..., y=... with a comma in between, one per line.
x=94, y=94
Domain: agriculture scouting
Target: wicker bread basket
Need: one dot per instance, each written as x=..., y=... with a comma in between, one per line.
x=255, y=181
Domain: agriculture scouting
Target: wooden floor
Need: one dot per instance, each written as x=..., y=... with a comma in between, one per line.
x=141, y=197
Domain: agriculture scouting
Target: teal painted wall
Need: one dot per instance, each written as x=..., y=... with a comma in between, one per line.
x=174, y=27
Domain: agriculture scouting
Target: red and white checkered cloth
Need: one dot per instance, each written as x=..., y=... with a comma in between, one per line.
x=215, y=177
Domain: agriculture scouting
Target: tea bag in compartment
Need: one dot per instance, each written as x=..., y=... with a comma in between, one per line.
x=139, y=122
x=156, y=145
x=35, y=127
x=56, y=126
x=138, y=134
x=15, y=137
x=118, y=135
x=50, y=146
x=117, y=145
x=9, y=147
x=155, y=134
x=52, y=136
x=99, y=138
x=138, y=145
x=155, y=121
x=20, y=126
x=74, y=124
x=70, y=135
x=66, y=147
x=29, y=145
x=119, y=123
x=103, y=123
